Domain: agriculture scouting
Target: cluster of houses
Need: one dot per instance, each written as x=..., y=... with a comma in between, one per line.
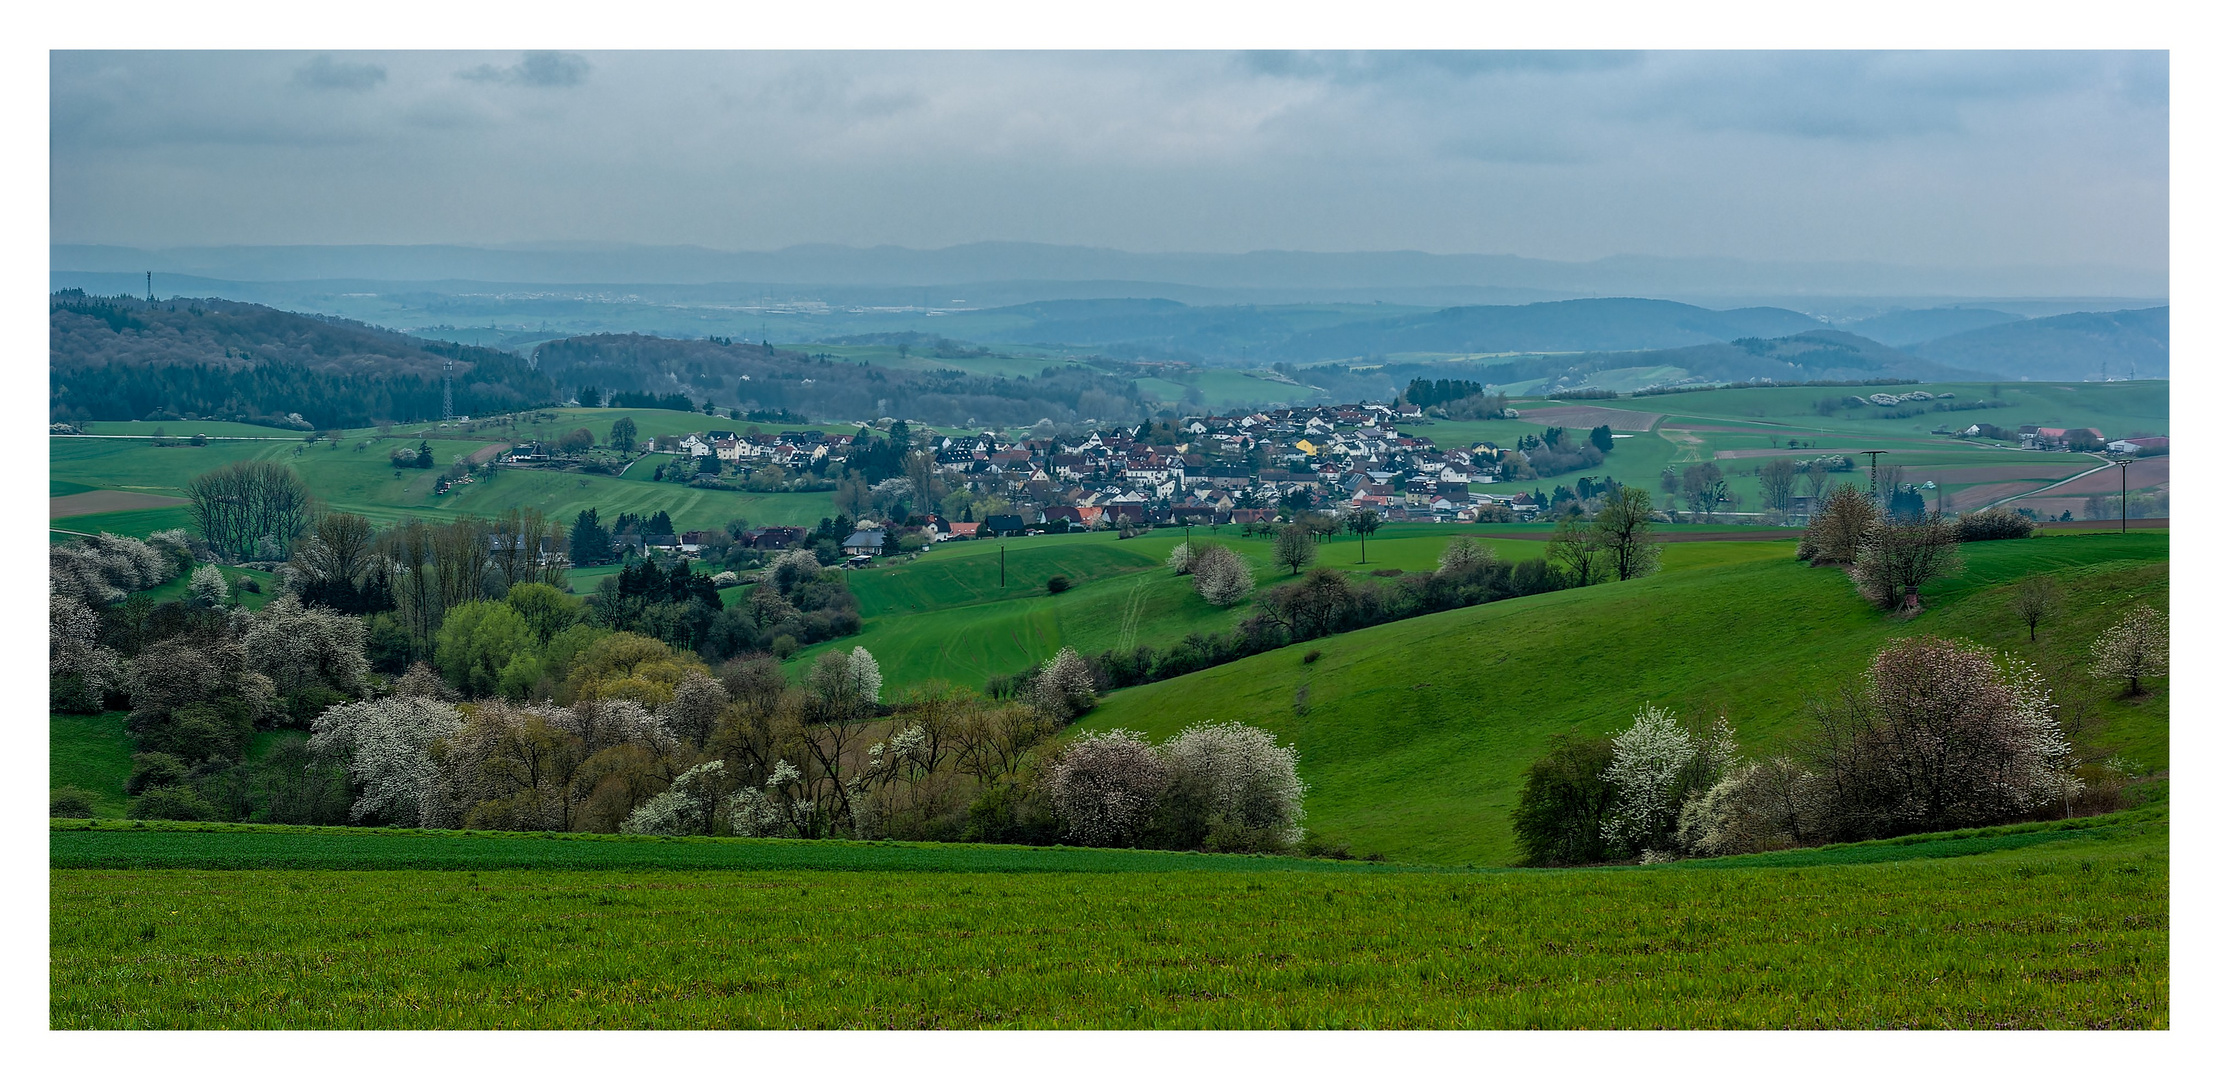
x=1237, y=470
x=2034, y=437
x=1199, y=469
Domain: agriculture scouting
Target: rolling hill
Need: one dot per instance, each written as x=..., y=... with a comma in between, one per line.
x=1414, y=735
x=122, y=358
x=1611, y=325
x=1902, y=328
x=2080, y=346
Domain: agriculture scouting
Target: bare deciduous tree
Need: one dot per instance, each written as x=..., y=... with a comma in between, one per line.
x=2036, y=599
x=1900, y=556
x=1622, y=532
x=1839, y=528
x=241, y=505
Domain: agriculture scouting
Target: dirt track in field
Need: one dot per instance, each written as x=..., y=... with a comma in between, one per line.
x=1588, y=416
x=2146, y=473
x=101, y=502
x=1984, y=494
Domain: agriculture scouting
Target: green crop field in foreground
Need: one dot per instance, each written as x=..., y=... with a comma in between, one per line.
x=2067, y=933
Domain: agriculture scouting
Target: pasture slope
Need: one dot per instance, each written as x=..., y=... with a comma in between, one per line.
x=1416, y=734
x=2057, y=925
x=353, y=473
x=948, y=614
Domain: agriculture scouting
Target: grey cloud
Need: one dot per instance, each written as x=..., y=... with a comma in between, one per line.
x=325, y=73
x=2042, y=158
x=1361, y=67
x=535, y=69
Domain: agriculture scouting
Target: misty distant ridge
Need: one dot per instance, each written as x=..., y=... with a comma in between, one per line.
x=1313, y=276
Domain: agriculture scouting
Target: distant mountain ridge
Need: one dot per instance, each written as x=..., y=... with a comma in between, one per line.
x=831, y=264
x=1604, y=325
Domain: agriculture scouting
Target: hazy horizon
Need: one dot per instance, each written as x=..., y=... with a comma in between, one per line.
x=1915, y=159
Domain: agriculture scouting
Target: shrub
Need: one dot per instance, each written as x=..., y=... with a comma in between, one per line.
x=1230, y=787
x=1994, y=523
x=1656, y=766
x=71, y=802
x=388, y=746
x=1105, y=786
x=1465, y=556
x=1839, y=529
x=1311, y=657
x=1058, y=584
x=154, y=769
x=686, y=808
x=1065, y=688
x=1763, y=806
x=81, y=672
x=208, y=588
x=1221, y=577
x=172, y=804
x=1938, y=735
x=1181, y=559
x=1561, y=809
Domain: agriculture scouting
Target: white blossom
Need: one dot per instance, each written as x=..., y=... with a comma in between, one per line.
x=1221, y=577
x=387, y=744
x=1245, y=777
x=681, y=810
x=1105, y=785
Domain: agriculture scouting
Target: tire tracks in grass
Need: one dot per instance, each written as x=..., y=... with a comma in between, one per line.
x=1128, y=630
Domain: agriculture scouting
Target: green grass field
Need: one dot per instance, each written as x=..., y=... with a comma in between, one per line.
x=90, y=752
x=946, y=614
x=364, y=481
x=1417, y=733
x=2043, y=927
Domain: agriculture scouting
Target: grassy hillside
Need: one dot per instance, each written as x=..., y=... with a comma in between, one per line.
x=2072, y=931
x=90, y=752
x=1417, y=733
x=946, y=616
x=347, y=475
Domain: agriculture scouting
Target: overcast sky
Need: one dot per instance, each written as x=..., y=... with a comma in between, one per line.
x=1983, y=159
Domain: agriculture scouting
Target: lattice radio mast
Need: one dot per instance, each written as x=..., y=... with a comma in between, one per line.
x=447, y=400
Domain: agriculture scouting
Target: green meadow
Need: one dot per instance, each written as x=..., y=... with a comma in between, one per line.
x=2061, y=926
x=353, y=473
x=948, y=614
x=1414, y=735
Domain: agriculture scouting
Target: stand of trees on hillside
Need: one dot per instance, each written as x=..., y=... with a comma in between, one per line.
x=1934, y=735
x=746, y=378
x=120, y=358
x=1615, y=546
x=536, y=710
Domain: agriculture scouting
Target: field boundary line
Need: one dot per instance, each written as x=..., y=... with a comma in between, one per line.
x=2060, y=483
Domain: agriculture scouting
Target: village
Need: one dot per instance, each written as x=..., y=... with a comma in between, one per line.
x=1204, y=470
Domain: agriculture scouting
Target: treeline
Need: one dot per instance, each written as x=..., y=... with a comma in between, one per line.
x=1616, y=544
x=117, y=358
x=755, y=379
x=535, y=711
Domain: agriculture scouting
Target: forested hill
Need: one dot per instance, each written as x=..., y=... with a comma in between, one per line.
x=122, y=358
x=750, y=377
x=2080, y=345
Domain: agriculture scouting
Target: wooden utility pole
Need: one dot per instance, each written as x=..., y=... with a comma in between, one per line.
x=2122, y=496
